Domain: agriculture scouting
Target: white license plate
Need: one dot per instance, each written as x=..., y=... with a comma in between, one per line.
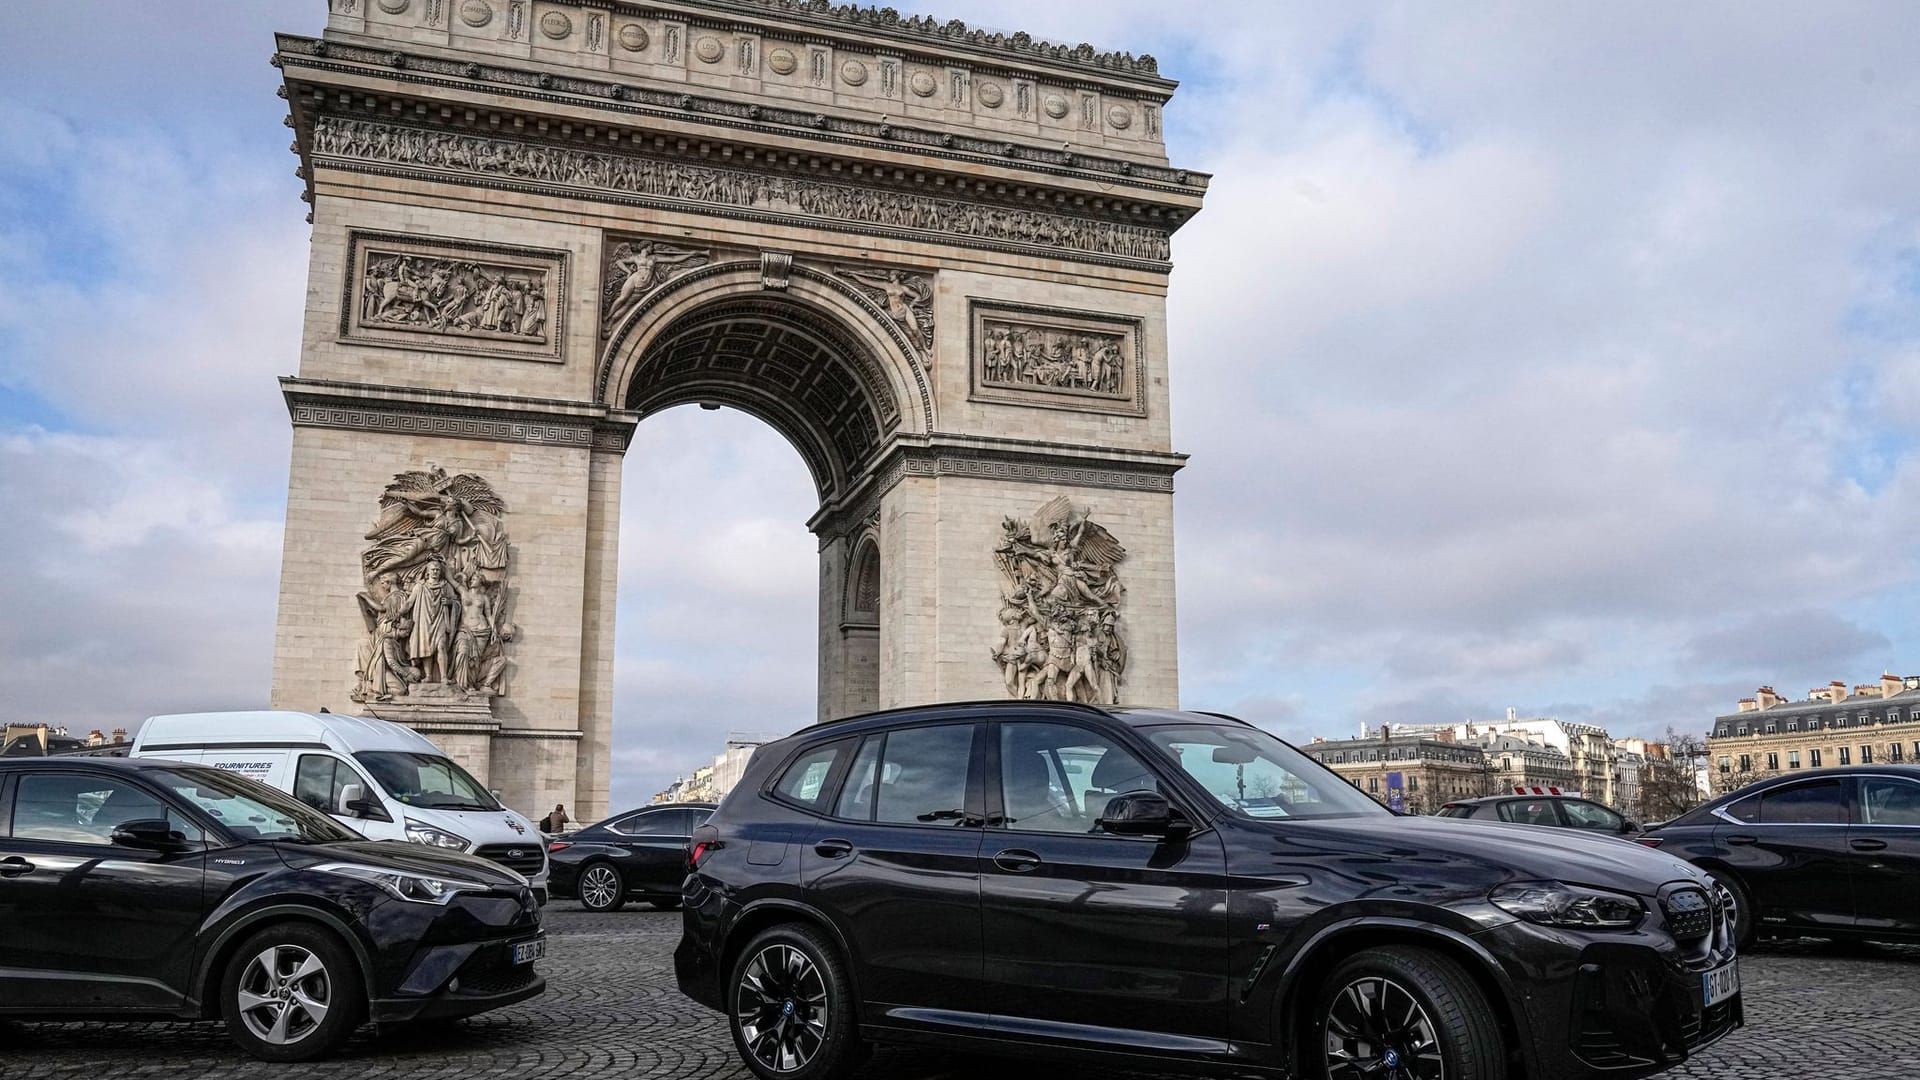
x=1720, y=984
x=526, y=952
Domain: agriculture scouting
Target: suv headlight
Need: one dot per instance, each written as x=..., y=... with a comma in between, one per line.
x=1555, y=903
x=419, y=888
x=422, y=833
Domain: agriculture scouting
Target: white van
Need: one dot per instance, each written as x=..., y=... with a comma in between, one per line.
x=383, y=780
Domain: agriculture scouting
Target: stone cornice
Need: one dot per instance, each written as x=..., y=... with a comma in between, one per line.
x=456, y=415
x=1016, y=47
x=620, y=97
x=1022, y=460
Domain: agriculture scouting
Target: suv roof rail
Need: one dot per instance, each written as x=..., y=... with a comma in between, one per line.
x=1076, y=706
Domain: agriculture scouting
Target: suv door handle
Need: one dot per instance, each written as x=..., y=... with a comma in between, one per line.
x=1742, y=838
x=14, y=866
x=1868, y=845
x=833, y=849
x=1017, y=861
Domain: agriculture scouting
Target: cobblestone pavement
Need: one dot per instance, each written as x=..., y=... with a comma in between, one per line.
x=1841, y=1012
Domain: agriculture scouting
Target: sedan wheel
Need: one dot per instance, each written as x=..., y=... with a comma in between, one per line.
x=601, y=888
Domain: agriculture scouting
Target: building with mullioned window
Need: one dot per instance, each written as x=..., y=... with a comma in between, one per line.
x=1871, y=724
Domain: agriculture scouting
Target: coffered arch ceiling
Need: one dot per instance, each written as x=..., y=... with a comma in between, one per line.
x=782, y=361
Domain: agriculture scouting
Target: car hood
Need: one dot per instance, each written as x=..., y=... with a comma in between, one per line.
x=1503, y=852
x=405, y=856
x=480, y=826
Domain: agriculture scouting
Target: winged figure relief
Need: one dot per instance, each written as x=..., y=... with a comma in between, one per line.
x=1060, y=635
x=907, y=298
x=636, y=268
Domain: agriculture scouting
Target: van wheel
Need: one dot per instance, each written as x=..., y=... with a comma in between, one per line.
x=1406, y=1012
x=292, y=992
x=601, y=888
x=790, y=1006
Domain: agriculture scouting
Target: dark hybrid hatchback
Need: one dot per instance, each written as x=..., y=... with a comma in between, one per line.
x=1175, y=889
x=1831, y=853
x=149, y=889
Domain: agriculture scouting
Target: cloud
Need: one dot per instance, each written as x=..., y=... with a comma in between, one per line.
x=1561, y=359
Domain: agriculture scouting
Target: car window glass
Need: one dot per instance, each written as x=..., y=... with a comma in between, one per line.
x=923, y=775
x=82, y=809
x=658, y=823
x=1804, y=804
x=1254, y=773
x=1586, y=815
x=1529, y=812
x=1890, y=802
x=856, y=795
x=1059, y=778
x=1747, y=809
x=321, y=782
x=805, y=781
x=427, y=780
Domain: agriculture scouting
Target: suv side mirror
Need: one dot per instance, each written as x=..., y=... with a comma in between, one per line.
x=1627, y=827
x=1142, y=813
x=149, y=834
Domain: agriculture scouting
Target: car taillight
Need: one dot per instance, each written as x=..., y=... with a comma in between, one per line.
x=558, y=845
x=699, y=851
x=1648, y=841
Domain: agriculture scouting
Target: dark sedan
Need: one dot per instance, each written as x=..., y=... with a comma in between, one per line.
x=640, y=854
x=149, y=889
x=1832, y=853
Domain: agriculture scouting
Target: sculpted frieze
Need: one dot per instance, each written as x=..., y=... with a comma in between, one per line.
x=434, y=593
x=1061, y=637
x=1062, y=359
x=449, y=295
x=370, y=141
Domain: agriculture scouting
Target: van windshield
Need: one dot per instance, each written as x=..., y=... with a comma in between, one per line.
x=428, y=781
x=249, y=809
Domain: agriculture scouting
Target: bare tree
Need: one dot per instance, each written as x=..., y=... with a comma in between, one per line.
x=1667, y=787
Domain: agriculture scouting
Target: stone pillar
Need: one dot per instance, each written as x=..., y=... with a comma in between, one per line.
x=593, y=781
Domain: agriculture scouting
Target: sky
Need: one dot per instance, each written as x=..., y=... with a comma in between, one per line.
x=1551, y=357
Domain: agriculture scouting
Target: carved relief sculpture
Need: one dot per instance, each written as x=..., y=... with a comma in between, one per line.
x=1059, y=358
x=636, y=267
x=906, y=298
x=345, y=140
x=483, y=299
x=1060, y=636
x=434, y=596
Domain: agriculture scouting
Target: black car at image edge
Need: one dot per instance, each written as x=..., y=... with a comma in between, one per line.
x=149, y=889
x=1827, y=853
x=1169, y=889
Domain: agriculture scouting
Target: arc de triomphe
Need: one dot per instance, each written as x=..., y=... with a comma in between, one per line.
x=935, y=259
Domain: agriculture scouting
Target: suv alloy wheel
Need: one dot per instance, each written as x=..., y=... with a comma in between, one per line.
x=291, y=993
x=792, y=1007
x=1402, y=1013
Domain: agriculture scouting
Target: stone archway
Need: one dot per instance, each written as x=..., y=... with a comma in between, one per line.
x=934, y=259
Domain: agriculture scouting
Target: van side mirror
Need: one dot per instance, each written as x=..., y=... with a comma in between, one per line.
x=353, y=801
x=1142, y=813
x=149, y=834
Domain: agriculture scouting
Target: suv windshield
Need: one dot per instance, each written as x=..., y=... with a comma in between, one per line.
x=426, y=780
x=1254, y=773
x=249, y=809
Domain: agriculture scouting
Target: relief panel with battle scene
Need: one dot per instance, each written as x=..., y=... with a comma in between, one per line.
x=454, y=296
x=1057, y=359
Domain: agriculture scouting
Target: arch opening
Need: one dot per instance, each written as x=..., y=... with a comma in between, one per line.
x=783, y=361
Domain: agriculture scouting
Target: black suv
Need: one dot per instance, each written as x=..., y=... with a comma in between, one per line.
x=1183, y=889
x=149, y=889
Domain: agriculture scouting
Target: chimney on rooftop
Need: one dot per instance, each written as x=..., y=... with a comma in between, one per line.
x=1765, y=698
x=119, y=735
x=1889, y=684
x=1747, y=704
